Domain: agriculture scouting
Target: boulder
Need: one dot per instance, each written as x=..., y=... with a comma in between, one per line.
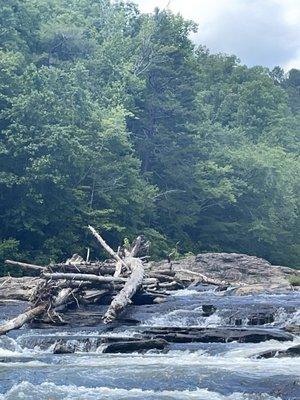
x=136, y=346
x=249, y=273
x=293, y=329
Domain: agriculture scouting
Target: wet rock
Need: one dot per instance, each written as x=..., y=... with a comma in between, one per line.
x=290, y=352
x=293, y=329
x=208, y=310
x=216, y=335
x=136, y=346
x=90, y=317
x=261, y=318
x=64, y=348
x=143, y=298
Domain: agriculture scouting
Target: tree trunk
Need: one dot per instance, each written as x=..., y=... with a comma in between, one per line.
x=83, y=277
x=30, y=267
x=21, y=319
x=123, y=298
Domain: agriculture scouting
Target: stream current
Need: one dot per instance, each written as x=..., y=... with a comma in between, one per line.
x=208, y=371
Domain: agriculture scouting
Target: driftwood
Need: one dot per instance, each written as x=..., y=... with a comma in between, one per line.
x=105, y=268
x=21, y=319
x=203, y=278
x=107, y=247
x=131, y=286
x=84, y=277
x=25, y=266
x=133, y=283
x=77, y=281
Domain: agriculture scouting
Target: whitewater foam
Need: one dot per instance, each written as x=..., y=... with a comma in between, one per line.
x=46, y=391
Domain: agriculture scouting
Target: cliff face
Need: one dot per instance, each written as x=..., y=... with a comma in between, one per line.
x=251, y=274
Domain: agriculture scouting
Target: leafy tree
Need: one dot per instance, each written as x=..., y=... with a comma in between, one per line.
x=112, y=117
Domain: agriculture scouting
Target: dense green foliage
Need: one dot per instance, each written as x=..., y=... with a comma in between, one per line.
x=113, y=118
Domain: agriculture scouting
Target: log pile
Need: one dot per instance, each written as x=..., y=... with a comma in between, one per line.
x=79, y=282
x=124, y=278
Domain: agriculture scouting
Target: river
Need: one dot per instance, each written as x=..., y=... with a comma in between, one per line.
x=208, y=371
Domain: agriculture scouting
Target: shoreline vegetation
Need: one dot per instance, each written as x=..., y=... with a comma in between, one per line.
x=115, y=118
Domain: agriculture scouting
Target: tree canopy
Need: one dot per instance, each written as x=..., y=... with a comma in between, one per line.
x=114, y=118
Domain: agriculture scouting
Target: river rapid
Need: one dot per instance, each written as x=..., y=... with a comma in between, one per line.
x=187, y=371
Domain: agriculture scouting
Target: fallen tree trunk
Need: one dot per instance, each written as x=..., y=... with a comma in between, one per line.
x=123, y=298
x=107, y=247
x=63, y=297
x=83, y=277
x=30, y=267
x=21, y=319
x=93, y=268
x=133, y=283
x=202, y=278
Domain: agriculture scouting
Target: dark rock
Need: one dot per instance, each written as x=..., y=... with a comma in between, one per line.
x=261, y=318
x=208, y=310
x=143, y=299
x=216, y=335
x=135, y=346
x=290, y=352
x=63, y=348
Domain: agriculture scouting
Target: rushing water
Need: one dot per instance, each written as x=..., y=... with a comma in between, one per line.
x=208, y=371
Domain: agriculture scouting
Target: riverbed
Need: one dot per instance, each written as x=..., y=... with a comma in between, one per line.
x=208, y=371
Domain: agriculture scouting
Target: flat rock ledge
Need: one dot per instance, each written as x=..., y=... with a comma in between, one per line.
x=249, y=274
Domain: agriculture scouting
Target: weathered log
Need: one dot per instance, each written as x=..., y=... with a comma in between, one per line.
x=202, y=278
x=21, y=319
x=93, y=296
x=18, y=288
x=30, y=267
x=62, y=297
x=163, y=272
x=118, y=269
x=162, y=278
x=131, y=286
x=90, y=285
x=171, y=285
x=133, y=283
x=107, y=247
x=93, y=268
x=83, y=277
x=109, y=282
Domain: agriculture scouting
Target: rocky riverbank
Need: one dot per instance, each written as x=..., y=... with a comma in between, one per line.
x=246, y=274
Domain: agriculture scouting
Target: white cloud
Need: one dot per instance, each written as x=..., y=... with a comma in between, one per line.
x=265, y=32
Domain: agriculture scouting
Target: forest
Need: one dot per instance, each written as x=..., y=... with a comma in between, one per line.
x=114, y=118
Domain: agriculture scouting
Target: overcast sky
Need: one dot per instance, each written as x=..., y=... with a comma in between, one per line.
x=264, y=32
